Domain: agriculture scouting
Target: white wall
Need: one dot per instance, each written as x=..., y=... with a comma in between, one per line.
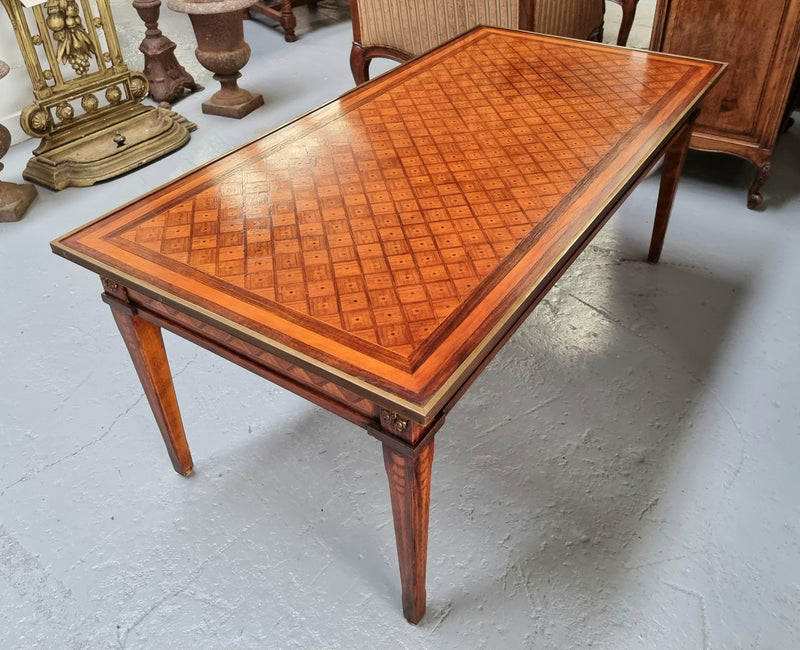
x=15, y=88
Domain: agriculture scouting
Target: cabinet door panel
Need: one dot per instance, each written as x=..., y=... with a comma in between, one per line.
x=741, y=32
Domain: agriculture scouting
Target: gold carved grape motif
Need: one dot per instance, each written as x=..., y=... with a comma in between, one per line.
x=74, y=44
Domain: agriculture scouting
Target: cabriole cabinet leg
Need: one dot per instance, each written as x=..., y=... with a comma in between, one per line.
x=754, y=197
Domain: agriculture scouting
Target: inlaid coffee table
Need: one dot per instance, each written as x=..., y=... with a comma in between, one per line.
x=374, y=254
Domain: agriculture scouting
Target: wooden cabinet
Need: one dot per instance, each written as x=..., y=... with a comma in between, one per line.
x=744, y=114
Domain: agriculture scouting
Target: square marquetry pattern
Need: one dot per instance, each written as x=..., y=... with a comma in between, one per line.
x=386, y=235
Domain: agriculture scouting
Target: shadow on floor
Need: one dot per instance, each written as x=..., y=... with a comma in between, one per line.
x=608, y=390
x=555, y=455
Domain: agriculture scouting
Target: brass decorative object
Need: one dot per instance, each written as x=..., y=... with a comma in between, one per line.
x=168, y=79
x=15, y=198
x=87, y=104
x=221, y=48
x=393, y=421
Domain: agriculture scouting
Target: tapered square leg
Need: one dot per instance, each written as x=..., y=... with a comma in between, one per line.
x=674, y=158
x=146, y=347
x=409, y=475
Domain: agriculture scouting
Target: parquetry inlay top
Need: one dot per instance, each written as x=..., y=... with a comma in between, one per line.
x=382, y=224
x=386, y=216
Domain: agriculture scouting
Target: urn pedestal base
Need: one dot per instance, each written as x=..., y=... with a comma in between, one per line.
x=221, y=48
x=230, y=105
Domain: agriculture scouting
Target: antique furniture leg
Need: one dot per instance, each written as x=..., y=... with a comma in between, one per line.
x=288, y=21
x=408, y=468
x=674, y=158
x=146, y=347
x=754, y=197
x=409, y=476
x=168, y=78
x=628, y=14
x=283, y=12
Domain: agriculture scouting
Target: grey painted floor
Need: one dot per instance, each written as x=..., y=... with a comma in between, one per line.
x=623, y=476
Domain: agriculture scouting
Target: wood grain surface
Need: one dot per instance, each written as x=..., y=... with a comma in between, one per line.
x=391, y=238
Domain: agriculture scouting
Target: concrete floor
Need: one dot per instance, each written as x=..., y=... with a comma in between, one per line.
x=622, y=476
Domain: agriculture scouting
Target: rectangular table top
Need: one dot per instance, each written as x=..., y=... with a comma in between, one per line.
x=389, y=238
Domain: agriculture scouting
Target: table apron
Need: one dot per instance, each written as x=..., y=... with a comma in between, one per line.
x=319, y=390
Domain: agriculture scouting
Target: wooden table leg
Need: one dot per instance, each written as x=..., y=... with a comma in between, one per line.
x=408, y=467
x=410, y=490
x=674, y=158
x=146, y=347
x=628, y=14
